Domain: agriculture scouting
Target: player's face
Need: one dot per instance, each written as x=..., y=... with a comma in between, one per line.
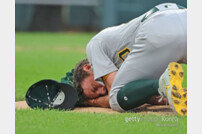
x=93, y=89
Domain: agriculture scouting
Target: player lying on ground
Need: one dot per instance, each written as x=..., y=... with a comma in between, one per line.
x=126, y=62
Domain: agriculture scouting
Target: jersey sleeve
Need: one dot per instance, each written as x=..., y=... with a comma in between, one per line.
x=99, y=59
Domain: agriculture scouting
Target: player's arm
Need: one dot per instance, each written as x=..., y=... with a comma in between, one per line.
x=108, y=80
x=103, y=101
x=100, y=61
x=99, y=102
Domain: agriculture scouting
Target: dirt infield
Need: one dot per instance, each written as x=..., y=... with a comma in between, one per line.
x=144, y=109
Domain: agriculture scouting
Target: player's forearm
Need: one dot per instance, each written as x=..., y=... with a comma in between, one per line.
x=100, y=102
x=109, y=80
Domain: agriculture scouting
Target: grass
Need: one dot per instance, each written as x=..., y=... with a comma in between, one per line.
x=57, y=122
x=49, y=56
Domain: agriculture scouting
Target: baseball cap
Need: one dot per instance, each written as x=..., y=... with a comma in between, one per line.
x=51, y=94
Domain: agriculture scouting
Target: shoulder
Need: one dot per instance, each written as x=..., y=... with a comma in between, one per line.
x=94, y=43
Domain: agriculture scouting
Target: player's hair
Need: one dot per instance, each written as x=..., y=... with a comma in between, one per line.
x=78, y=77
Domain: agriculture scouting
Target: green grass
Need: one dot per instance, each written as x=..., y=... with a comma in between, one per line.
x=57, y=122
x=46, y=56
x=49, y=56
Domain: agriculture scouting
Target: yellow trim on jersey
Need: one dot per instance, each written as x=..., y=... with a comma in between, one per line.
x=105, y=77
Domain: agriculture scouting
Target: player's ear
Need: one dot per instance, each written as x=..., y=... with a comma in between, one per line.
x=87, y=67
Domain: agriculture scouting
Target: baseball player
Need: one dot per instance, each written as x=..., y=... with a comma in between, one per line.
x=128, y=64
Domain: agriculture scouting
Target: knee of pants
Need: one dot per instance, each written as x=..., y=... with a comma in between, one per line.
x=114, y=103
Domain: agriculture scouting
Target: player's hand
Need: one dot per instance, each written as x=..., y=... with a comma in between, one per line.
x=154, y=100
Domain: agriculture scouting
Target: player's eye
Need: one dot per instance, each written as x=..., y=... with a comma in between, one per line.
x=93, y=89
